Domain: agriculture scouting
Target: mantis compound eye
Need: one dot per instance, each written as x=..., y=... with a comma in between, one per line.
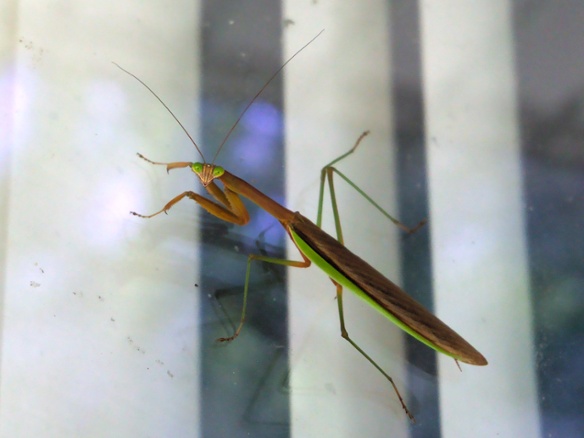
x=218, y=171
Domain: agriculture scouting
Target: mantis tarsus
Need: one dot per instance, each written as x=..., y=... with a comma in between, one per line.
x=344, y=268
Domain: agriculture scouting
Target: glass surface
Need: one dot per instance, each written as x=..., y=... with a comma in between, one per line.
x=109, y=321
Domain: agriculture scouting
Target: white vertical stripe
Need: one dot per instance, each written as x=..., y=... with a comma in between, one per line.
x=476, y=219
x=336, y=89
x=99, y=331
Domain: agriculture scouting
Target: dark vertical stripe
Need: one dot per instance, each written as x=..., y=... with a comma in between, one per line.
x=413, y=203
x=243, y=382
x=549, y=38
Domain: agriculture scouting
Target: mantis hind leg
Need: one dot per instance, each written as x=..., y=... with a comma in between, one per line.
x=327, y=174
x=346, y=336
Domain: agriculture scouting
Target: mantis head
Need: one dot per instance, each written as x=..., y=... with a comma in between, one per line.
x=207, y=172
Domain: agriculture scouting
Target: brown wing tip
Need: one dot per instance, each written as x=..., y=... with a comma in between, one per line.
x=482, y=361
x=475, y=359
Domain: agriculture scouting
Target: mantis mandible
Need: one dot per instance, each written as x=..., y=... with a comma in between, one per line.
x=345, y=269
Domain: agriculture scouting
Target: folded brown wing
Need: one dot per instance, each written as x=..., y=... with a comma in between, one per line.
x=387, y=294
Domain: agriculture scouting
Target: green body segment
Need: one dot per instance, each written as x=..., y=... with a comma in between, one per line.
x=338, y=277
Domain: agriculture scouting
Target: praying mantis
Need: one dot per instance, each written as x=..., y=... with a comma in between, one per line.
x=344, y=268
